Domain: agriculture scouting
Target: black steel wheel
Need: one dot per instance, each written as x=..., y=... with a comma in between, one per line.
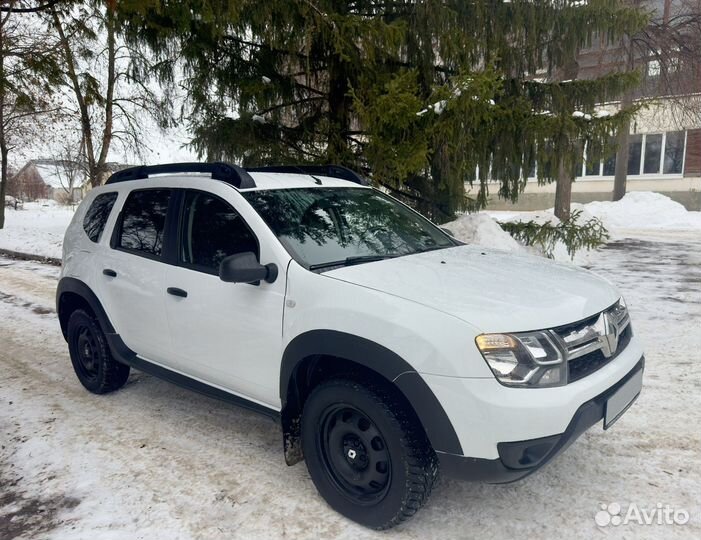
x=88, y=352
x=354, y=453
x=366, y=452
x=91, y=357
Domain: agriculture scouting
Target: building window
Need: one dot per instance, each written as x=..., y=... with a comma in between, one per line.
x=635, y=147
x=653, y=153
x=593, y=168
x=610, y=166
x=674, y=152
x=653, y=68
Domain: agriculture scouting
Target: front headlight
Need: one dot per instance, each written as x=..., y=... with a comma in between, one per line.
x=526, y=360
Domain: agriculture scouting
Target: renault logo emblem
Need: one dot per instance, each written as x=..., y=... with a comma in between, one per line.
x=608, y=335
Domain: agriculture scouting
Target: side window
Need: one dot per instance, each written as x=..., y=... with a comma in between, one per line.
x=143, y=221
x=96, y=216
x=211, y=231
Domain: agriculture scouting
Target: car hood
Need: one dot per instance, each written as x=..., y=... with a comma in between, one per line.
x=494, y=291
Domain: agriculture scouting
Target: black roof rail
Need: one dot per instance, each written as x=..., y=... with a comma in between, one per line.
x=226, y=172
x=334, y=171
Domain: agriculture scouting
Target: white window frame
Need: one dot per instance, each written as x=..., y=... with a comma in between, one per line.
x=641, y=175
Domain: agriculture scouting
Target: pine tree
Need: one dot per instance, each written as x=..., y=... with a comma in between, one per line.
x=421, y=96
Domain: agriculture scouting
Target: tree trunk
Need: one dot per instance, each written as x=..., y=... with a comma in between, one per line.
x=100, y=169
x=3, y=185
x=85, y=119
x=339, y=117
x=621, y=172
x=339, y=100
x=3, y=142
x=563, y=191
x=563, y=187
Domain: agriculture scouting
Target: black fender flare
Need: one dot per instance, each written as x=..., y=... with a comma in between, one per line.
x=75, y=286
x=386, y=363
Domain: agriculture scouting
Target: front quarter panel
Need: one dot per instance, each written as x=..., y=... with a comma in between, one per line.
x=430, y=341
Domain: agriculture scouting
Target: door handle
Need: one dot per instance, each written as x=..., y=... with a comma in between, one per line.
x=177, y=292
x=109, y=272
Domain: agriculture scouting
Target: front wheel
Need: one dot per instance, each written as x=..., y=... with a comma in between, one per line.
x=366, y=454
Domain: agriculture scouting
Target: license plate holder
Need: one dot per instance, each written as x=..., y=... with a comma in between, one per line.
x=623, y=398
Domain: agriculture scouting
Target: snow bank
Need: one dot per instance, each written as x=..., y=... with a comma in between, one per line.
x=644, y=210
x=36, y=229
x=481, y=230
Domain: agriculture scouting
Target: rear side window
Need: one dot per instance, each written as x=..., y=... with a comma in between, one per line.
x=96, y=216
x=143, y=221
x=211, y=231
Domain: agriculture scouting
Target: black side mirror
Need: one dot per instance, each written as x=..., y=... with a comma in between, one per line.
x=245, y=268
x=447, y=231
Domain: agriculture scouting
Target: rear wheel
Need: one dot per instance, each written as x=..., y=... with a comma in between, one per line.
x=366, y=454
x=90, y=355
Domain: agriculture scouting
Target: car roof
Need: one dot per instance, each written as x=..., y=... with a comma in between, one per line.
x=273, y=180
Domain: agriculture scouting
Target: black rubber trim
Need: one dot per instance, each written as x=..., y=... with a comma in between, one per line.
x=125, y=355
x=171, y=229
x=72, y=285
x=383, y=361
x=507, y=467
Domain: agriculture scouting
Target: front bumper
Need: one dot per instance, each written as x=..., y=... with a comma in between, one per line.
x=521, y=458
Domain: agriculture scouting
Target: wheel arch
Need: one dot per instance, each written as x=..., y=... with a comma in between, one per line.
x=315, y=355
x=72, y=294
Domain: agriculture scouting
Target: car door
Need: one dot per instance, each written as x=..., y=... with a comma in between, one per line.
x=131, y=274
x=227, y=334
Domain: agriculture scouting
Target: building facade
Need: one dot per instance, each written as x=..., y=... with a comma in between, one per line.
x=664, y=143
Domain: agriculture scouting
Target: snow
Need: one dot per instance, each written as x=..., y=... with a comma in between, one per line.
x=37, y=228
x=636, y=212
x=437, y=108
x=155, y=461
x=481, y=230
x=644, y=210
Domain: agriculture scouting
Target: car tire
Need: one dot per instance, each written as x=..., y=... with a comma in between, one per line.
x=91, y=357
x=366, y=454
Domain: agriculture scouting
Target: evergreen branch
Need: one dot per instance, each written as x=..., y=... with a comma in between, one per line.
x=35, y=9
x=289, y=104
x=265, y=47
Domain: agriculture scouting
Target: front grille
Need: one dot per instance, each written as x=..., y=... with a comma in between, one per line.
x=589, y=363
x=594, y=342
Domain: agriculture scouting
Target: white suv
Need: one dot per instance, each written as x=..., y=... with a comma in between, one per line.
x=386, y=349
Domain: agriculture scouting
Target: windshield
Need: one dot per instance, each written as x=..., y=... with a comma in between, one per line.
x=326, y=227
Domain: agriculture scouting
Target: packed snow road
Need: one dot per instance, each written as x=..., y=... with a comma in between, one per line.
x=154, y=461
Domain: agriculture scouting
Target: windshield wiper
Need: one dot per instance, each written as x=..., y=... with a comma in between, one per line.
x=430, y=248
x=350, y=261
